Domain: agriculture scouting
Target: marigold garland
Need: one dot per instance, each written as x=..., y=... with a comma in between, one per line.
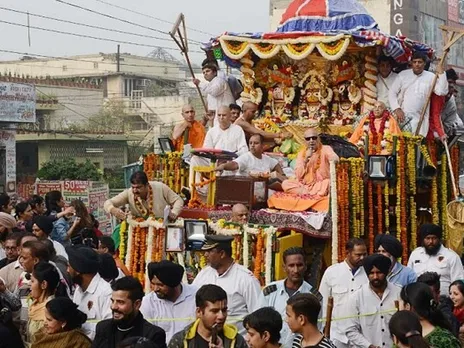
x=403, y=202
x=122, y=240
x=140, y=207
x=379, y=209
x=386, y=192
x=444, y=195
x=259, y=258
x=370, y=203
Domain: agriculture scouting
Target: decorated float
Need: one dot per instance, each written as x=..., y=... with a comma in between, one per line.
x=318, y=69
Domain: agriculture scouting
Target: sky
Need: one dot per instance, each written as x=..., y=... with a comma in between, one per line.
x=209, y=16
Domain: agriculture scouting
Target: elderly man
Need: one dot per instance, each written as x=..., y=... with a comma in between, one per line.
x=255, y=161
x=189, y=131
x=389, y=246
x=386, y=78
x=339, y=281
x=216, y=88
x=242, y=287
x=381, y=127
x=145, y=199
x=170, y=298
x=409, y=93
x=246, y=122
x=240, y=214
x=432, y=256
x=277, y=293
x=225, y=136
x=311, y=187
x=377, y=297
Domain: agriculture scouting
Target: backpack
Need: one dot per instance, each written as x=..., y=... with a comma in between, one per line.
x=235, y=86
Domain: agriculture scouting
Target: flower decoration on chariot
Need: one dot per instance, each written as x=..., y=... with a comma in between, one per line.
x=343, y=72
x=354, y=93
x=281, y=75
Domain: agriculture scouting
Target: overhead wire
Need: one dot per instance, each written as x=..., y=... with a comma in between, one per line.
x=84, y=24
x=118, y=19
x=151, y=17
x=90, y=36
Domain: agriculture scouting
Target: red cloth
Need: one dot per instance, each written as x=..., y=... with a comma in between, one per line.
x=98, y=233
x=459, y=314
x=437, y=103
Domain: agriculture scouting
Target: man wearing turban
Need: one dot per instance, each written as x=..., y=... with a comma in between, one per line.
x=433, y=256
x=389, y=246
x=170, y=297
x=378, y=296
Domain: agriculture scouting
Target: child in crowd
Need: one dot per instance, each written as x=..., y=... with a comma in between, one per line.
x=302, y=314
x=406, y=330
x=456, y=292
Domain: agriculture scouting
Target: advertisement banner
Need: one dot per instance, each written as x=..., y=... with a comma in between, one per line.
x=43, y=187
x=98, y=194
x=8, y=143
x=74, y=189
x=17, y=102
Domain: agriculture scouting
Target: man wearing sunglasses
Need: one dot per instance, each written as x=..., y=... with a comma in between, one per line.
x=311, y=185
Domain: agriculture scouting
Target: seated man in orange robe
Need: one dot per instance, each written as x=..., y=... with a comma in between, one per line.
x=380, y=126
x=190, y=131
x=311, y=187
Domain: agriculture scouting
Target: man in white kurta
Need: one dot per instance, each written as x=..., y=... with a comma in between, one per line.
x=93, y=293
x=432, y=256
x=372, y=306
x=170, y=298
x=242, y=288
x=386, y=78
x=225, y=136
x=216, y=88
x=409, y=93
x=254, y=161
x=340, y=281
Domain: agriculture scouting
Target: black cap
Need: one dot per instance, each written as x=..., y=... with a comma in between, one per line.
x=168, y=272
x=217, y=241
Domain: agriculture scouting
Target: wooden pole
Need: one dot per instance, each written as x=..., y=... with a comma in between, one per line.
x=183, y=46
x=328, y=317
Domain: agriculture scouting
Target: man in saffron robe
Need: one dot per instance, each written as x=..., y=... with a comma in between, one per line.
x=380, y=126
x=311, y=187
x=190, y=131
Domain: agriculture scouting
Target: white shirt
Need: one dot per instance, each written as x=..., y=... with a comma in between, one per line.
x=218, y=93
x=410, y=91
x=339, y=282
x=59, y=248
x=248, y=162
x=446, y=263
x=232, y=139
x=242, y=288
x=95, y=302
x=371, y=329
x=274, y=295
x=154, y=308
x=383, y=87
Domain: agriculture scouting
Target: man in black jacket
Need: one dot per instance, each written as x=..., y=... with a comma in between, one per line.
x=127, y=320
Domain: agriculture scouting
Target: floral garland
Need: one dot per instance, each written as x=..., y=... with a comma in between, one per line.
x=343, y=207
x=379, y=209
x=386, y=192
x=122, y=240
x=334, y=210
x=444, y=195
x=403, y=200
x=370, y=202
x=455, y=155
x=432, y=160
x=378, y=136
x=139, y=205
x=333, y=52
x=411, y=173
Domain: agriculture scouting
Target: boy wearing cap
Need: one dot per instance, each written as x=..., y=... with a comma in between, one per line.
x=170, y=298
x=93, y=293
x=433, y=256
x=242, y=288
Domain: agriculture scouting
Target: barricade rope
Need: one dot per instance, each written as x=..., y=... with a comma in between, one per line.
x=237, y=319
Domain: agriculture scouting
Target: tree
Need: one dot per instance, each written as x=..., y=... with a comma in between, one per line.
x=69, y=169
x=110, y=118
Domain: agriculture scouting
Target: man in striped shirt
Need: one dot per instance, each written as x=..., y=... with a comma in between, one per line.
x=302, y=314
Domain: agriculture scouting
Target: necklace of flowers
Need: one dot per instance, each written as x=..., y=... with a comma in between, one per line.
x=140, y=206
x=375, y=138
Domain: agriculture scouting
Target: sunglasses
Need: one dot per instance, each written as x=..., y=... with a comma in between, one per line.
x=311, y=138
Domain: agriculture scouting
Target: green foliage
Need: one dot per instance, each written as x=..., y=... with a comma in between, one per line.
x=69, y=169
x=110, y=118
x=114, y=178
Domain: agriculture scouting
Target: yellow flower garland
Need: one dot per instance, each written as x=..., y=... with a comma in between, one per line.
x=444, y=195
x=386, y=192
x=122, y=240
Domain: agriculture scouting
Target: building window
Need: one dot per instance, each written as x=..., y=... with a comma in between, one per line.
x=95, y=65
x=65, y=68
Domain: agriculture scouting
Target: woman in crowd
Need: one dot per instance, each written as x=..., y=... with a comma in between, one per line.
x=418, y=298
x=406, y=330
x=44, y=282
x=54, y=202
x=23, y=215
x=38, y=205
x=456, y=292
x=85, y=221
x=63, y=322
x=5, y=203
